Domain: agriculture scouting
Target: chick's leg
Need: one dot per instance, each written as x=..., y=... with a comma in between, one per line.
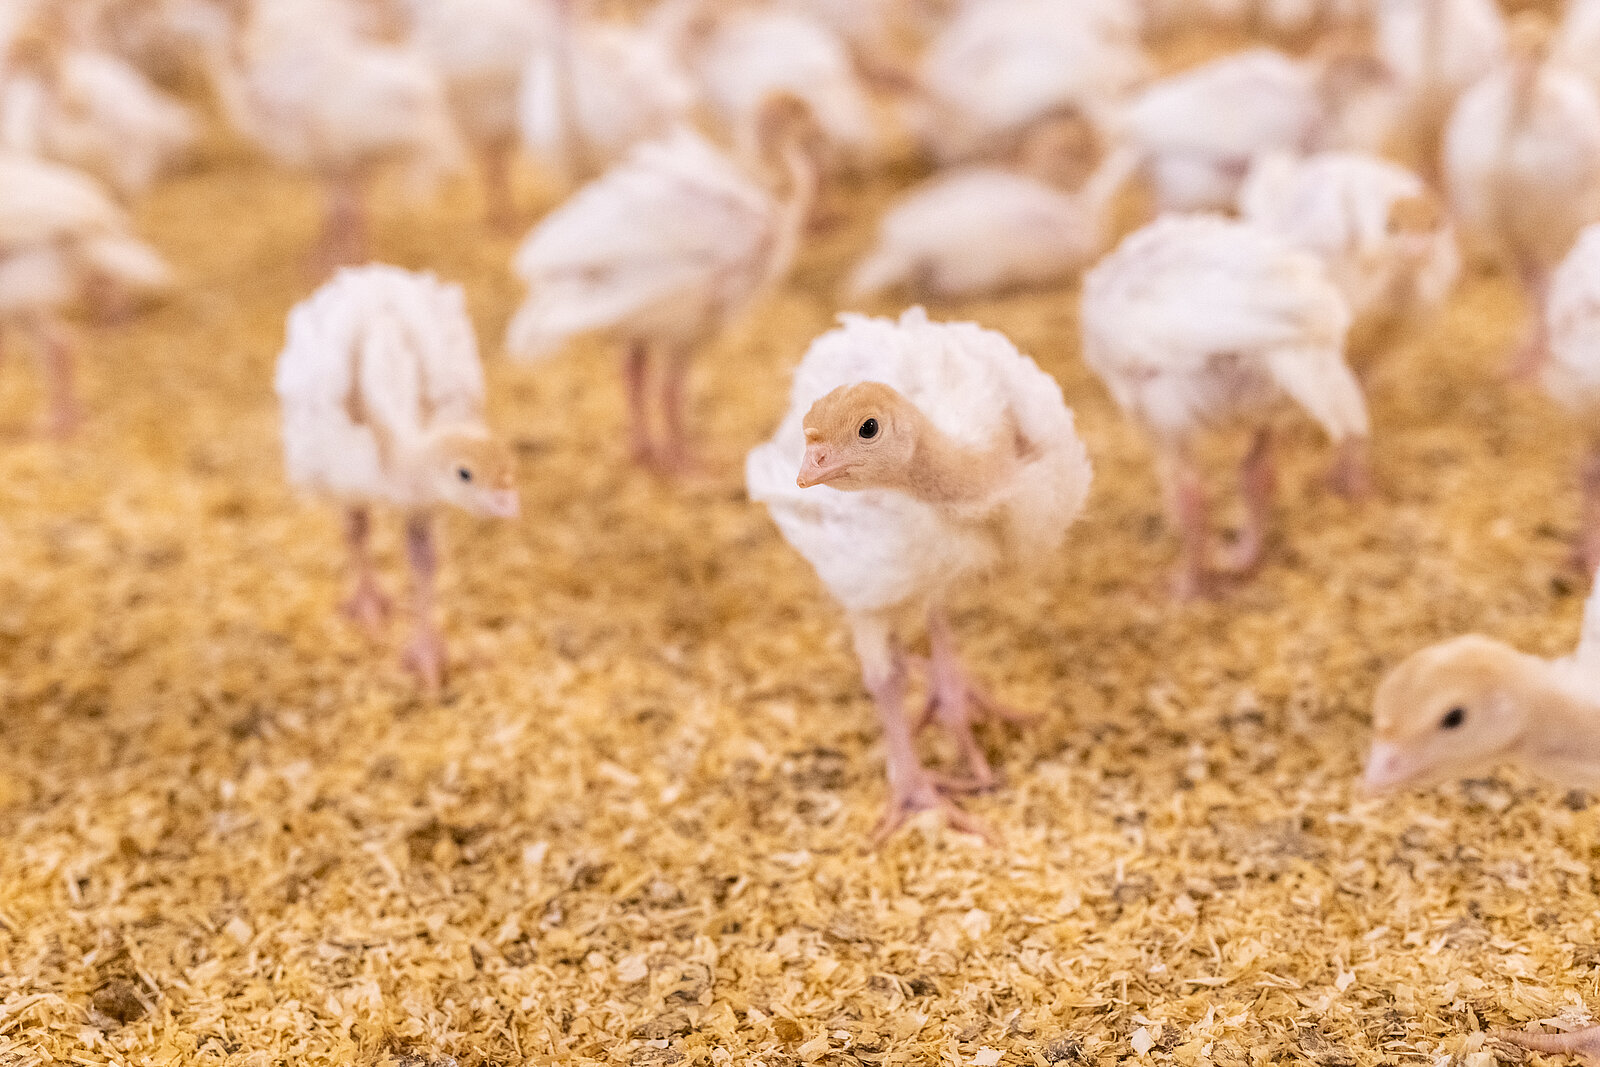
x=424, y=655
x=499, y=204
x=1351, y=476
x=1584, y=1044
x=344, y=226
x=956, y=701
x=674, y=454
x=1588, y=548
x=55, y=359
x=635, y=386
x=1257, y=479
x=1186, y=504
x=1530, y=354
x=911, y=787
x=367, y=603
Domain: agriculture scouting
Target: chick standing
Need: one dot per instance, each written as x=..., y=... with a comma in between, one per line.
x=1522, y=161
x=927, y=454
x=1463, y=705
x=662, y=253
x=481, y=48
x=383, y=400
x=592, y=90
x=1196, y=320
x=300, y=78
x=1436, y=50
x=1384, y=237
x=62, y=240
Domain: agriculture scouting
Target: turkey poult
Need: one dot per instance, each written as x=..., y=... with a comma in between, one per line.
x=1198, y=320
x=481, y=48
x=383, y=400
x=1572, y=372
x=89, y=109
x=1200, y=130
x=987, y=229
x=1436, y=50
x=1384, y=237
x=1461, y=706
x=592, y=90
x=1522, y=159
x=63, y=240
x=663, y=252
x=300, y=79
x=916, y=456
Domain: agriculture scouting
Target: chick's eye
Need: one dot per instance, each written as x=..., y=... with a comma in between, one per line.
x=869, y=429
x=464, y=474
x=1453, y=718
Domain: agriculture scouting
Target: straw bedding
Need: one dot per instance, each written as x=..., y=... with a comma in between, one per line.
x=633, y=828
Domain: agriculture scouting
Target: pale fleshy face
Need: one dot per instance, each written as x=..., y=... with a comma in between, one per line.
x=1448, y=710
x=857, y=437
x=476, y=474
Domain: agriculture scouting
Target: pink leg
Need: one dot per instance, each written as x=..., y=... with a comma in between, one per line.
x=424, y=656
x=1257, y=479
x=366, y=604
x=55, y=357
x=1532, y=350
x=911, y=787
x=1584, y=1044
x=957, y=702
x=344, y=229
x=635, y=383
x=1587, y=554
x=1351, y=476
x=1186, y=501
x=500, y=204
x=674, y=455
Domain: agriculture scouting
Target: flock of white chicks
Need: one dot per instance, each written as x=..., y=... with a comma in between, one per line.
x=915, y=454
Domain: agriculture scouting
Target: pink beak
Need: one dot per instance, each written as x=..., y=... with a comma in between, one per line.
x=815, y=469
x=503, y=504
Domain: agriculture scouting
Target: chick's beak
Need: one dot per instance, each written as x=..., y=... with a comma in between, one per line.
x=1386, y=768
x=503, y=504
x=818, y=467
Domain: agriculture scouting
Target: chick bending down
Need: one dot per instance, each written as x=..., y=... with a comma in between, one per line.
x=383, y=398
x=1196, y=321
x=916, y=456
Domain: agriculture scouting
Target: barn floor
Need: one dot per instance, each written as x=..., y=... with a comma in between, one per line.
x=633, y=829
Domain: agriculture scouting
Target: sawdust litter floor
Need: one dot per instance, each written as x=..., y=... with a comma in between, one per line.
x=633, y=828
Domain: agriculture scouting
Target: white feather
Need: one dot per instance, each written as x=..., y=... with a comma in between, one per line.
x=1195, y=319
x=375, y=362
x=882, y=550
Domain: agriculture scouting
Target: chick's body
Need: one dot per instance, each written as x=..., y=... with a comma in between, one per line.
x=891, y=558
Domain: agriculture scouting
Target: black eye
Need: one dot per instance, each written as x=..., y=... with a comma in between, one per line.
x=1453, y=718
x=464, y=474
x=869, y=429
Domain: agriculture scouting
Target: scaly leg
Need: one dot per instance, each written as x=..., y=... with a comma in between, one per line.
x=344, y=227
x=911, y=787
x=674, y=456
x=55, y=359
x=1257, y=478
x=957, y=701
x=1351, y=476
x=1186, y=503
x=367, y=603
x=635, y=384
x=499, y=203
x=424, y=656
x=1532, y=350
x=1587, y=553
x=1585, y=1044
